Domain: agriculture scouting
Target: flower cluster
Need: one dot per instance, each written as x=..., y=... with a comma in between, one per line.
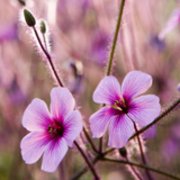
x=52, y=132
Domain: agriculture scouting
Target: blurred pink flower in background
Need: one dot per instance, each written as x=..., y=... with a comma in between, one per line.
x=123, y=106
x=99, y=50
x=171, y=146
x=9, y=32
x=50, y=133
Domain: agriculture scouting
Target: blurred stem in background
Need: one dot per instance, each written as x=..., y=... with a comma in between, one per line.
x=143, y=157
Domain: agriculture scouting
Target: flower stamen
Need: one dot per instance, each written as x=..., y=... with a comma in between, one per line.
x=55, y=129
x=120, y=105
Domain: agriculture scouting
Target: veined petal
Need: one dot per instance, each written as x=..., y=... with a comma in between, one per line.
x=32, y=146
x=99, y=121
x=107, y=91
x=120, y=130
x=36, y=116
x=53, y=155
x=145, y=109
x=62, y=102
x=135, y=83
x=73, y=127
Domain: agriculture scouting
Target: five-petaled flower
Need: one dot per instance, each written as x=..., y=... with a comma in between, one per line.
x=50, y=132
x=123, y=106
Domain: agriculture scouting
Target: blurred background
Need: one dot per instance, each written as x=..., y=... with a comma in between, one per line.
x=80, y=35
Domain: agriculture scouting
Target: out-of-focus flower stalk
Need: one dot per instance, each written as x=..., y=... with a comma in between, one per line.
x=133, y=170
x=143, y=157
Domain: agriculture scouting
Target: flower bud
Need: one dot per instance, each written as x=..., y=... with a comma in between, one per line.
x=123, y=152
x=30, y=20
x=42, y=27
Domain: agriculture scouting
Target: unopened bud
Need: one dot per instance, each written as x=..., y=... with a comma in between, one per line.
x=123, y=152
x=30, y=20
x=42, y=27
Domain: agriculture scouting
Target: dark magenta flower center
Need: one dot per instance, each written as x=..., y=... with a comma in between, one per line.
x=120, y=105
x=55, y=129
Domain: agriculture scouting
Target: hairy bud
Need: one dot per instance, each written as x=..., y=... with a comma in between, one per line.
x=42, y=27
x=30, y=20
x=123, y=152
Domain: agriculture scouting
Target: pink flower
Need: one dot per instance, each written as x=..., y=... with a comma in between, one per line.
x=121, y=104
x=50, y=132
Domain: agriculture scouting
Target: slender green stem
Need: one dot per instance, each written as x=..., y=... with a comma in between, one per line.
x=114, y=42
x=143, y=167
x=101, y=145
x=108, y=151
x=83, y=170
x=134, y=170
x=90, y=165
x=45, y=43
x=143, y=157
x=90, y=140
x=162, y=115
x=48, y=56
x=96, y=159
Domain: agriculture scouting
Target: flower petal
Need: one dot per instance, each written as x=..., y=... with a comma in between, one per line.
x=53, y=155
x=107, y=91
x=36, y=116
x=32, y=146
x=135, y=83
x=73, y=127
x=99, y=121
x=120, y=130
x=62, y=102
x=145, y=109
